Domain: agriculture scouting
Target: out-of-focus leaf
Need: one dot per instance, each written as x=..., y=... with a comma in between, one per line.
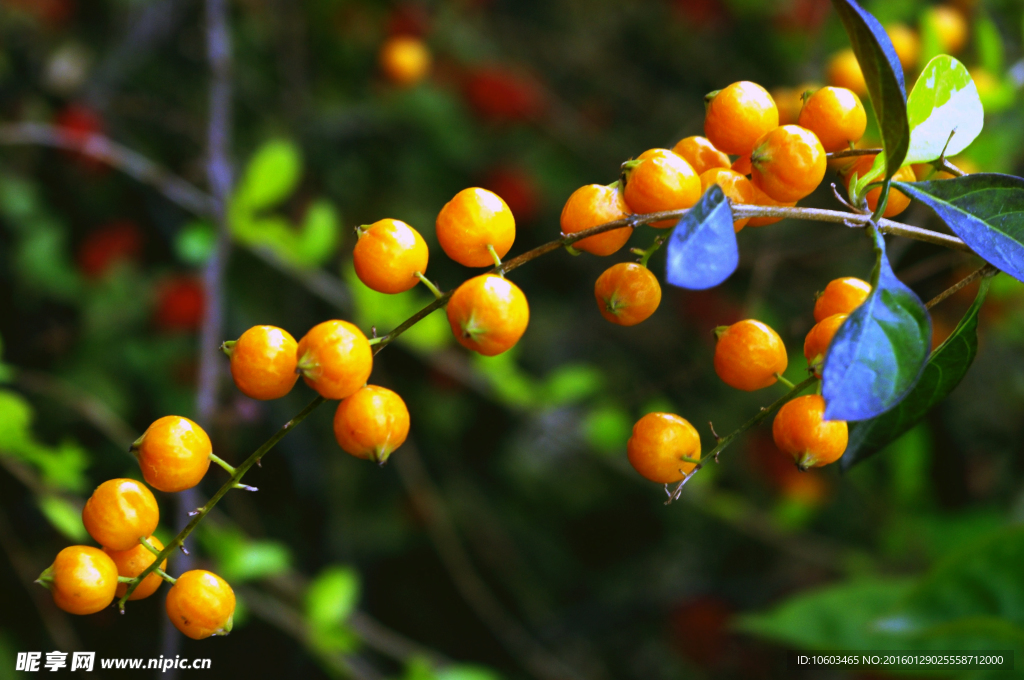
x=240, y=558
x=878, y=354
x=466, y=672
x=571, y=383
x=271, y=175
x=943, y=100
x=332, y=596
x=986, y=210
x=702, y=251
x=195, y=242
x=61, y=467
x=385, y=312
x=65, y=517
x=319, y=238
x=509, y=382
x=835, y=617
x=946, y=367
x=884, y=77
x=15, y=421
x=988, y=43
x=607, y=429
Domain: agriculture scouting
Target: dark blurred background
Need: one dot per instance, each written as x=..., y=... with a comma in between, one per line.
x=509, y=537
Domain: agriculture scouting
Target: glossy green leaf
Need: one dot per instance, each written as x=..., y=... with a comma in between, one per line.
x=878, y=354
x=884, y=77
x=835, y=617
x=946, y=367
x=986, y=210
x=944, y=101
x=271, y=175
x=332, y=596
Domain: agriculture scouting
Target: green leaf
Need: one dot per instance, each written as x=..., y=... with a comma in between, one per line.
x=989, y=44
x=835, y=617
x=271, y=176
x=607, y=429
x=878, y=354
x=944, y=100
x=195, y=242
x=64, y=516
x=466, y=672
x=332, y=596
x=240, y=558
x=946, y=367
x=986, y=210
x=385, y=312
x=571, y=383
x=319, y=238
x=884, y=77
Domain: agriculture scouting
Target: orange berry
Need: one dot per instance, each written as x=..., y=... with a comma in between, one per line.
x=174, y=454
x=843, y=70
x=801, y=431
x=133, y=562
x=405, y=60
x=748, y=354
x=659, y=443
x=736, y=187
x=906, y=43
x=388, y=255
x=201, y=604
x=661, y=180
x=841, y=296
x=472, y=220
x=788, y=101
x=488, y=314
x=761, y=198
x=119, y=513
x=742, y=165
x=950, y=26
x=818, y=340
x=836, y=116
x=898, y=201
x=627, y=293
x=738, y=115
x=371, y=423
x=788, y=163
x=335, y=358
x=263, y=361
x=700, y=154
x=82, y=579
x=590, y=206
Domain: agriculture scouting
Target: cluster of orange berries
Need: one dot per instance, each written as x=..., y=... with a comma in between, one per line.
x=749, y=355
x=772, y=165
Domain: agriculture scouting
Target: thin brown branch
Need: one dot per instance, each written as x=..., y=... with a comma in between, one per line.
x=987, y=270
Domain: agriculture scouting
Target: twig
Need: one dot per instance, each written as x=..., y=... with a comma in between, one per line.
x=725, y=441
x=987, y=270
x=513, y=636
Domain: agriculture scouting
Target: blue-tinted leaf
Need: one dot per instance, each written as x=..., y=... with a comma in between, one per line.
x=884, y=77
x=878, y=354
x=702, y=251
x=944, y=99
x=946, y=367
x=986, y=210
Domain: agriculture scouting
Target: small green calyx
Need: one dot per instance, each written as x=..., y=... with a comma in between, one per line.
x=228, y=626
x=720, y=331
x=136, y=445
x=572, y=251
x=46, y=578
x=709, y=97
x=805, y=461
x=361, y=230
x=227, y=346
x=308, y=366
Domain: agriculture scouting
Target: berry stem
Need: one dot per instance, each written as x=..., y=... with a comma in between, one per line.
x=497, y=260
x=426, y=282
x=985, y=271
x=179, y=540
x=728, y=439
x=787, y=383
x=227, y=346
x=148, y=546
x=125, y=579
x=645, y=255
x=219, y=461
x=165, y=576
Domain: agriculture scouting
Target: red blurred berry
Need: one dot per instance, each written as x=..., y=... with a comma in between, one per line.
x=180, y=304
x=103, y=248
x=516, y=188
x=699, y=13
x=409, y=18
x=498, y=94
x=80, y=122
